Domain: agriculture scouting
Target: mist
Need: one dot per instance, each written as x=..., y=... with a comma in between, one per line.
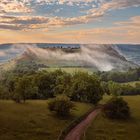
x=99, y=57
x=93, y=55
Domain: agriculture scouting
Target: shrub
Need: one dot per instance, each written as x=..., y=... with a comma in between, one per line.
x=61, y=105
x=117, y=108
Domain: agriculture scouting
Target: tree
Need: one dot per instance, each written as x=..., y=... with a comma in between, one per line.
x=24, y=89
x=121, y=77
x=63, y=83
x=105, y=87
x=86, y=88
x=4, y=93
x=114, y=88
x=137, y=88
x=45, y=83
x=61, y=105
x=117, y=108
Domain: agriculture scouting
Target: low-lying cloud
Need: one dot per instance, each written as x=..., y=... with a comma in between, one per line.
x=100, y=57
x=91, y=55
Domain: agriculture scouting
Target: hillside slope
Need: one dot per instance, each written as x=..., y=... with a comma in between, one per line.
x=98, y=57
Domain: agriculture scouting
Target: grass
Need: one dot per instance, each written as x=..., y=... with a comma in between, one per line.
x=104, y=129
x=33, y=121
x=132, y=83
x=71, y=69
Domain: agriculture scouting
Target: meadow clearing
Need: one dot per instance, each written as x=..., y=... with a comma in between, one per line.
x=70, y=70
x=33, y=120
x=105, y=129
x=132, y=83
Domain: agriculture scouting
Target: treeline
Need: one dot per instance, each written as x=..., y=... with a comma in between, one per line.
x=113, y=88
x=27, y=66
x=79, y=86
x=121, y=77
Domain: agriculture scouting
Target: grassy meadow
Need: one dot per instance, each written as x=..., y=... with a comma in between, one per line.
x=71, y=69
x=132, y=83
x=104, y=129
x=33, y=121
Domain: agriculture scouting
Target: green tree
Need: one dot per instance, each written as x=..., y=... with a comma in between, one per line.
x=117, y=108
x=63, y=83
x=114, y=88
x=24, y=89
x=61, y=105
x=51, y=83
x=45, y=83
x=105, y=87
x=86, y=88
x=4, y=93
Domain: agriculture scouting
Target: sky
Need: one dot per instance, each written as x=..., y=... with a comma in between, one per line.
x=70, y=21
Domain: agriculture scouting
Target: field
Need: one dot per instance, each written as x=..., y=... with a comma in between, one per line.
x=71, y=69
x=132, y=83
x=33, y=121
x=104, y=129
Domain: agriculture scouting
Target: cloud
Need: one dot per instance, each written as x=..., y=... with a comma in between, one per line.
x=121, y=32
x=2, y=54
x=18, y=6
x=20, y=22
x=75, y=2
x=113, y=5
x=13, y=6
x=23, y=22
x=133, y=22
x=90, y=55
x=66, y=2
x=38, y=22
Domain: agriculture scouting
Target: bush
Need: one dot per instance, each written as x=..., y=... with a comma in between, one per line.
x=61, y=105
x=117, y=108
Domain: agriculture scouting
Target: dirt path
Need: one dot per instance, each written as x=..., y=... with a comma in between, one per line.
x=78, y=130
